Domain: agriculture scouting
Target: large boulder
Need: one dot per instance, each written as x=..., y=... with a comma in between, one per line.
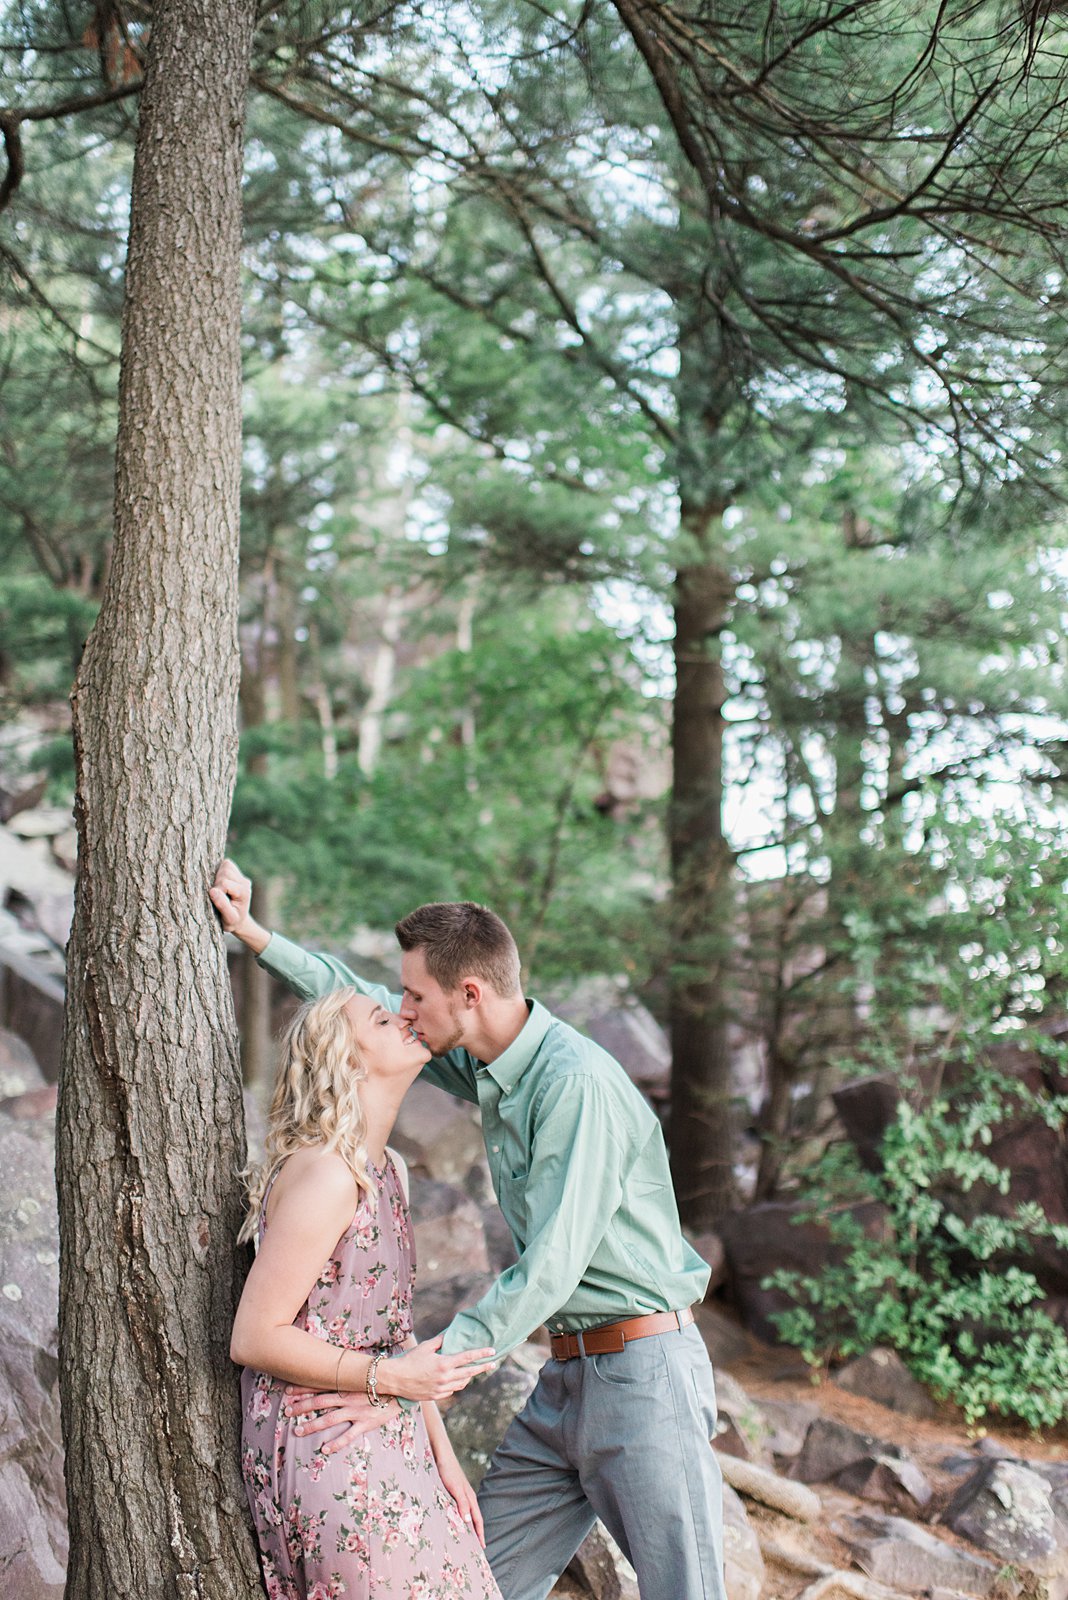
x=600, y=1569
x=906, y=1557
x=438, y=1134
x=763, y=1238
x=477, y=1419
x=19, y=1071
x=1032, y=1151
x=452, y=1263
x=33, y=1534
x=861, y=1464
x=1017, y=1513
x=881, y=1375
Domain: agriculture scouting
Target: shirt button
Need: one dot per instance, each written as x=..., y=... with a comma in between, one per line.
x=496, y=1149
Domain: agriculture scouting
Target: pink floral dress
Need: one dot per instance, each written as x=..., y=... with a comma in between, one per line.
x=374, y=1519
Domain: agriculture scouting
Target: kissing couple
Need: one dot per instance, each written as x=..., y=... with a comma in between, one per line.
x=353, y=1485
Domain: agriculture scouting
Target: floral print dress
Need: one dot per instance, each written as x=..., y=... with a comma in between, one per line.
x=375, y=1519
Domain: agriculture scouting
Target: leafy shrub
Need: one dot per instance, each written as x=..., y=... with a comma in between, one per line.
x=947, y=1285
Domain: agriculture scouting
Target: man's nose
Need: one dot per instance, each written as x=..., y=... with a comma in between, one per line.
x=407, y=1012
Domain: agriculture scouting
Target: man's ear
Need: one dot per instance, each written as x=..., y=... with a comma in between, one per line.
x=472, y=991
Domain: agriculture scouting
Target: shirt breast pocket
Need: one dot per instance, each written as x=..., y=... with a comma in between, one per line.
x=513, y=1193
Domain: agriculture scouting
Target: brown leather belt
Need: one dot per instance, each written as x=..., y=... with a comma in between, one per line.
x=614, y=1335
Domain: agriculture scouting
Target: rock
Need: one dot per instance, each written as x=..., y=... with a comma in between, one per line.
x=906, y=1557
x=757, y=1483
x=763, y=1238
x=500, y=1246
x=437, y=1302
x=866, y=1108
x=32, y=993
x=741, y=1427
x=1008, y=1508
x=438, y=1133
x=32, y=1104
x=43, y=822
x=604, y=1009
x=743, y=1564
x=28, y=1561
x=889, y=1482
x=33, y=1534
x=452, y=1265
x=479, y=1415
x=449, y=1238
x=65, y=849
x=709, y=1247
x=725, y=1339
x=861, y=1464
x=601, y=1569
x=789, y=1421
x=18, y=1066
x=529, y=1357
x=881, y=1375
x=830, y=1448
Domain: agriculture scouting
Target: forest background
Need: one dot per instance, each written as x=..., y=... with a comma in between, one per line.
x=652, y=524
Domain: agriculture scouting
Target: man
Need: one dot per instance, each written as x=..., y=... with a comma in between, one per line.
x=620, y=1421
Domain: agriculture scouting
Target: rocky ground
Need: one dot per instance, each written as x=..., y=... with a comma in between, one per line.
x=858, y=1487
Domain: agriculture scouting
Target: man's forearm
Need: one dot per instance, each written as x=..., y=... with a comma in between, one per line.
x=253, y=935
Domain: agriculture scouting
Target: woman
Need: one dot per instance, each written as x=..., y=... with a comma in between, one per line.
x=327, y=1306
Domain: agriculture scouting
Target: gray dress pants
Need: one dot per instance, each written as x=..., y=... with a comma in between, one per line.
x=624, y=1437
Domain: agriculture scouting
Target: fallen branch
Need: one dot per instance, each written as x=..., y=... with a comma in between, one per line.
x=757, y=1483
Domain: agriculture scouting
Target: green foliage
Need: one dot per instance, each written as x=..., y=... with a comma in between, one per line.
x=943, y=1290
x=947, y=1278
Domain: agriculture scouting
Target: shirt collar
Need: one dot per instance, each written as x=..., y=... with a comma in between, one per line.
x=523, y=1048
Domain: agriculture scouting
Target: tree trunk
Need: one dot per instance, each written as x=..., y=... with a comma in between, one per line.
x=700, y=1131
x=150, y=1127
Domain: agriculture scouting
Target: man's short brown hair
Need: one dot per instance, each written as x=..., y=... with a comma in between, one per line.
x=461, y=939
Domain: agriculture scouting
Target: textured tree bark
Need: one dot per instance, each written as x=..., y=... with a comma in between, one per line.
x=702, y=905
x=150, y=1127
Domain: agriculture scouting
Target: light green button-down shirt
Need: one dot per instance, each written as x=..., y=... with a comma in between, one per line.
x=579, y=1167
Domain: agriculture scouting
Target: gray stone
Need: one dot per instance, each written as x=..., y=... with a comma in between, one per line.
x=830, y=1448
x=438, y=1133
x=1008, y=1508
x=43, y=822
x=601, y=1569
x=789, y=1421
x=741, y=1427
x=500, y=1246
x=33, y=1534
x=725, y=1339
x=437, y=1302
x=905, y=1557
x=709, y=1247
x=449, y=1240
x=887, y=1481
x=18, y=1066
x=743, y=1563
x=881, y=1375
x=479, y=1415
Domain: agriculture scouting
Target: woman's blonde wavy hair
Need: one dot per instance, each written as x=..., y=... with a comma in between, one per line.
x=316, y=1098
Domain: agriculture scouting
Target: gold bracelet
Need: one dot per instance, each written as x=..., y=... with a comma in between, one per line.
x=370, y=1384
x=337, y=1374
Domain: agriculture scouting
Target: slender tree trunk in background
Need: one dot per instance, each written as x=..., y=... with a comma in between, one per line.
x=702, y=904
x=150, y=1126
x=255, y=983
